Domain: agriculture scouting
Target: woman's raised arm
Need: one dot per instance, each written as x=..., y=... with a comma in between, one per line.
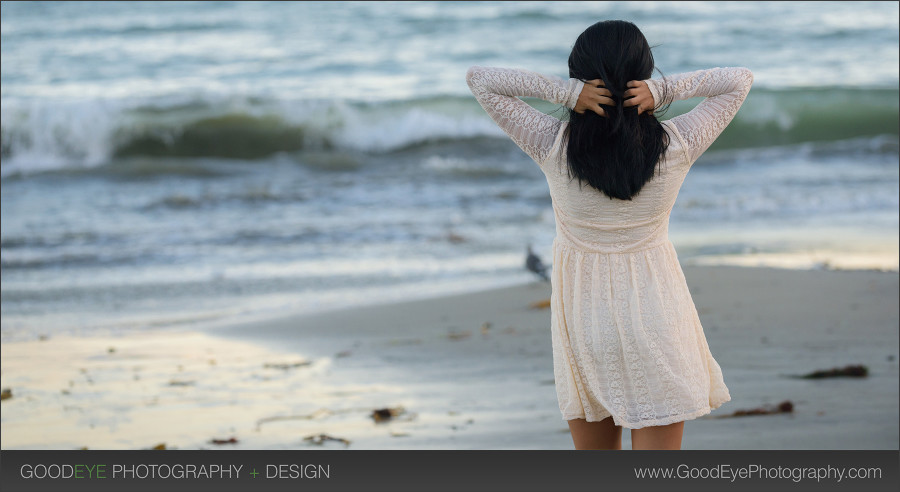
x=498, y=91
x=724, y=89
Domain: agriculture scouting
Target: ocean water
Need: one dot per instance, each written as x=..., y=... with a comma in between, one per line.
x=167, y=163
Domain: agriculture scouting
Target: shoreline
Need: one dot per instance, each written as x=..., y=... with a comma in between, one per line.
x=261, y=308
x=470, y=371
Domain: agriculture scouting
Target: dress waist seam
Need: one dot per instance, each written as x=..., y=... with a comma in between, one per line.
x=561, y=239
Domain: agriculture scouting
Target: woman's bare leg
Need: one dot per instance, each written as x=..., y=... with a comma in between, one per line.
x=596, y=435
x=658, y=436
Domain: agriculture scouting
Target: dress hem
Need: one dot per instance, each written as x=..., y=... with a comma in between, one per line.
x=656, y=422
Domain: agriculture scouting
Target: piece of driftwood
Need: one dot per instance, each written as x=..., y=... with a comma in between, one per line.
x=286, y=366
x=784, y=407
x=386, y=414
x=230, y=440
x=318, y=439
x=852, y=371
x=459, y=335
x=322, y=412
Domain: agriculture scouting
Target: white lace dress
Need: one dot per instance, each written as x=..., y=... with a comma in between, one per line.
x=627, y=339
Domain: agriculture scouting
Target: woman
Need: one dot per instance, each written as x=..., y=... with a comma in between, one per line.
x=628, y=346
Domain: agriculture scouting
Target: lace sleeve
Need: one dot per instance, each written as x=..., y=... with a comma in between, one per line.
x=724, y=89
x=498, y=91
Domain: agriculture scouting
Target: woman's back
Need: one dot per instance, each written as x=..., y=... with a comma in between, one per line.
x=594, y=222
x=584, y=215
x=627, y=339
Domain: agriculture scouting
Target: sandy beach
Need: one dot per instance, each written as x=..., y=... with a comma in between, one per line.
x=471, y=371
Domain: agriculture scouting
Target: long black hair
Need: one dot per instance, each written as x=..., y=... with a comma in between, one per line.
x=616, y=153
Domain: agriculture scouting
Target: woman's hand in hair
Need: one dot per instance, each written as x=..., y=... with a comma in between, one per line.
x=639, y=95
x=593, y=94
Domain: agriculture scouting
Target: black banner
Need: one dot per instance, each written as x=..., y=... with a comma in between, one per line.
x=345, y=470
